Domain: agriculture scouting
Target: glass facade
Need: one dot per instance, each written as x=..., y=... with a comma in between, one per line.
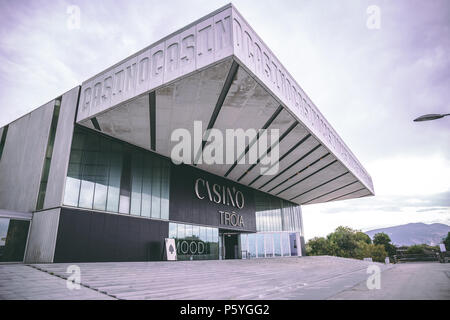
x=195, y=242
x=13, y=238
x=105, y=174
x=267, y=244
x=108, y=175
x=275, y=214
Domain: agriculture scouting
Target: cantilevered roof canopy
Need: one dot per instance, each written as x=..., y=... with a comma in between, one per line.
x=218, y=71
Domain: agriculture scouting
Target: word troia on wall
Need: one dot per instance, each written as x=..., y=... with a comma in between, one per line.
x=231, y=219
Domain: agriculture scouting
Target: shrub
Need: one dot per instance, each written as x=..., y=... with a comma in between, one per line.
x=415, y=249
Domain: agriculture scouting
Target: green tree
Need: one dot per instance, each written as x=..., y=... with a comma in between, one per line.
x=348, y=243
x=363, y=250
x=384, y=240
x=343, y=242
x=374, y=251
x=361, y=236
x=415, y=249
x=381, y=238
x=318, y=247
x=378, y=252
x=446, y=241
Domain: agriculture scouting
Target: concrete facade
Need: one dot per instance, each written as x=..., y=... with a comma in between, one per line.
x=42, y=237
x=23, y=159
x=61, y=149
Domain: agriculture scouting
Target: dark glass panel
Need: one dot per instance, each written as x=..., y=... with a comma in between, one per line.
x=13, y=238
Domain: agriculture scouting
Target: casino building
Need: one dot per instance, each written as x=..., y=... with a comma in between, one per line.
x=89, y=177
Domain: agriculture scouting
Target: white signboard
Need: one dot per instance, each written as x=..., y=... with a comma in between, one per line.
x=442, y=247
x=171, y=249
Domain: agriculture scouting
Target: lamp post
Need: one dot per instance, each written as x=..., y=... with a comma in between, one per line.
x=429, y=117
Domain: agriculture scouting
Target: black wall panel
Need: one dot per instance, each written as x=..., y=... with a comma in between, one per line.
x=185, y=206
x=88, y=236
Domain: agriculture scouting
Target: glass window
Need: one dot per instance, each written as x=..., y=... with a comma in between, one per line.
x=252, y=245
x=165, y=176
x=215, y=234
x=244, y=245
x=102, y=172
x=214, y=244
x=4, y=223
x=196, y=232
x=268, y=240
x=204, y=234
x=136, y=183
x=147, y=187
x=188, y=234
x=258, y=220
x=195, y=242
x=72, y=191
x=125, y=183
x=210, y=236
x=13, y=238
x=105, y=174
x=277, y=244
x=285, y=244
x=172, y=230
x=273, y=214
x=181, y=231
x=115, y=173
x=88, y=172
x=156, y=189
x=73, y=180
x=260, y=244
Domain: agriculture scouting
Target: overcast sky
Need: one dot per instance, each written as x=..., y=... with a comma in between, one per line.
x=369, y=83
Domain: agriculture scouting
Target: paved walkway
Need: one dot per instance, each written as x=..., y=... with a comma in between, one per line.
x=280, y=278
x=407, y=281
x=21, y=282
x=277, y=278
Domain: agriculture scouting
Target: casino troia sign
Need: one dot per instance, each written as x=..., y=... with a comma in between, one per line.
x=225, y=195
x=219, y=194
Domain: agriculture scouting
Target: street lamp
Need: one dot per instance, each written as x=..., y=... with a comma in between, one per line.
x=429, y=117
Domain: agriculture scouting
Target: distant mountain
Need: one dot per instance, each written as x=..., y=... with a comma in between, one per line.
x=414, y=233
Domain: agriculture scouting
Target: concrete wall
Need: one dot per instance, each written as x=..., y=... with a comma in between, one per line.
x=42, y=237
x=61, y=149
x=201, y=43
x=23, y=158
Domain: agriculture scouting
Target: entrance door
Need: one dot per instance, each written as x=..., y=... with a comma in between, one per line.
x=231, y=245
